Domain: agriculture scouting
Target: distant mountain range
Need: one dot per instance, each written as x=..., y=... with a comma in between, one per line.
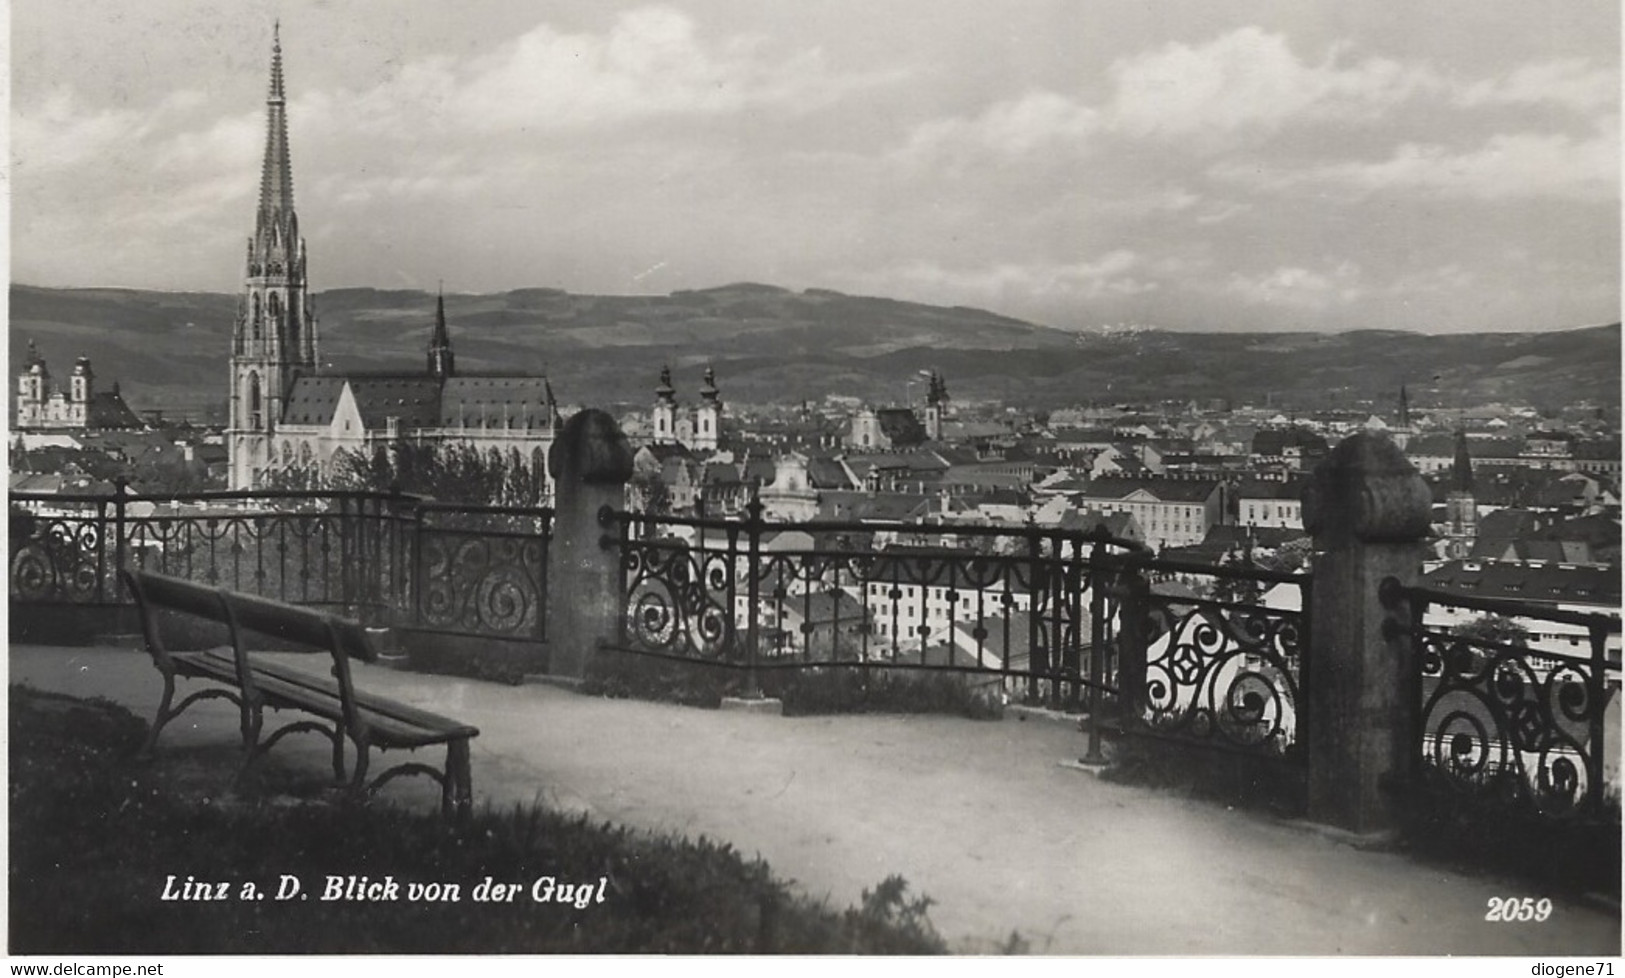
x=169, y=350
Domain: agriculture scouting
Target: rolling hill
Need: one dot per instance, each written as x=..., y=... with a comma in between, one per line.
x=169, y=350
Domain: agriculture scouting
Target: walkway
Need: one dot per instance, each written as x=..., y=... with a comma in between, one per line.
x=979, y=815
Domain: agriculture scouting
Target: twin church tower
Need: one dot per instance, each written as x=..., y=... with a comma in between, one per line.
x=287, y=413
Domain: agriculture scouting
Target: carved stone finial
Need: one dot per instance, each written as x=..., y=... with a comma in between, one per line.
x=1367, y=490
x=592, y=449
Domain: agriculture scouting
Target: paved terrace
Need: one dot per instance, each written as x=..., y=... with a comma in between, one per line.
x=979, y=815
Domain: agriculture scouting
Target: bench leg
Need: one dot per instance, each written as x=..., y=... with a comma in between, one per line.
x=252, y=724
x=358, y=779
x=338, y=754
x=457, y=799
x=169, y=710
x=161, y=718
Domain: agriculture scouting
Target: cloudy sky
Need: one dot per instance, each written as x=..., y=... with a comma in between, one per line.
x=1189, y=164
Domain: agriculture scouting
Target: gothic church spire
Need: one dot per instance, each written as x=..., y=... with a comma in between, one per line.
x=276, y=174
x=441, y=361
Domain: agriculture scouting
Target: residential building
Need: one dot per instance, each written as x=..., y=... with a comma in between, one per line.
x=1170, y=512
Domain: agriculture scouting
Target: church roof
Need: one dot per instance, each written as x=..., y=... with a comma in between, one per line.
x=414, y=400
x=312, y=400
x=108, y=410
x=424, y=401
x=515, y=402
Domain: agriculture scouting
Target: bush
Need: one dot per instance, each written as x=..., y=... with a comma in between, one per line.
x=1490, y=825
x=807, y=691
x=842, y=690
x=97, y=836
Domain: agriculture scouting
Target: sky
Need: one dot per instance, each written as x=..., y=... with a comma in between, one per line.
x=1320, y=165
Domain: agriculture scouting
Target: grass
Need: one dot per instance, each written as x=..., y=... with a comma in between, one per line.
x=96, y=836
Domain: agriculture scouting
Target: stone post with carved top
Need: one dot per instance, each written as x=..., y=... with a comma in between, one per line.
x=590, y=462
x=1369, y=511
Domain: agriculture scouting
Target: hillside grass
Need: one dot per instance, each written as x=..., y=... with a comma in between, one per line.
x=96, y=836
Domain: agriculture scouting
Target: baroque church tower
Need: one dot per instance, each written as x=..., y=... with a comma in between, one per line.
x=274, y=340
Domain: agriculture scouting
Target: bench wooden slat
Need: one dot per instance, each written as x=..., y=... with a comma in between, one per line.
x=374, y=704
x=281, y=693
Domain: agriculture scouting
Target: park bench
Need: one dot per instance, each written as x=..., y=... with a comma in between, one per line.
x=342, y=712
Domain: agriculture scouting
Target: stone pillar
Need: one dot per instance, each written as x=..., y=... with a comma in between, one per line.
x=590, y=462
x=1369, y=511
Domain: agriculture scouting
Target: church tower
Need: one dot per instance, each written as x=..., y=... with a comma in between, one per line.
x=441, y=362
x=665, y=412
x=33, y=388
x=274, y=340
x=936, y=402
x=1461, y=509
x=1402, y=431
x=708, y=416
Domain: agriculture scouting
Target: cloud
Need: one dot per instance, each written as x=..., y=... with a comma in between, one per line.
x=1298, y=287
x=1573, y=83
x=60, y=133
x=1109, y=275
x=1250, y=78
x=1507, y=166
x=1220, y=94
x=1015, y=127
x=652, y=63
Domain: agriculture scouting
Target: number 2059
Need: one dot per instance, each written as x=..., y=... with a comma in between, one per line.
x=1509, y=910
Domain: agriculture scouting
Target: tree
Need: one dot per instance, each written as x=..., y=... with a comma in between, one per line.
x=1493, y=628
x=455, y=473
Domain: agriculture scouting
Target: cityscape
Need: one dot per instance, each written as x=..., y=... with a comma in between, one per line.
x=1119, y=528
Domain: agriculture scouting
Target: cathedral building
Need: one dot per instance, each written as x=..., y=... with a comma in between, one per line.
x=288, y=414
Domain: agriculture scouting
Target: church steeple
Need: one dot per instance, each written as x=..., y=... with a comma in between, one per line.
x=442, y=363
x=1461, y=469
x=276, y=173
x=274, y=341
x=1461, y=509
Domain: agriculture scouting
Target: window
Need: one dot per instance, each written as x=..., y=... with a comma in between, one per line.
x=253, y=400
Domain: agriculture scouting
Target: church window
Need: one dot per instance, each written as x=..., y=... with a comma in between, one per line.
x=253, y=400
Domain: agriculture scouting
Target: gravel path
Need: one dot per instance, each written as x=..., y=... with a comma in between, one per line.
x=981, y=816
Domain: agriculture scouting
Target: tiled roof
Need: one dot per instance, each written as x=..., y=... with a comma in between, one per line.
x=1271, y=488
x=108, y=410
x=513, y=402
x=1542, y=582
x=1167, y=490
x=312, y=400
x=827, y=473
x=415, y=401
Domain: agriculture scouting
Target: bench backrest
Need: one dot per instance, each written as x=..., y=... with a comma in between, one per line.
x=341, y=637
x=303, y=626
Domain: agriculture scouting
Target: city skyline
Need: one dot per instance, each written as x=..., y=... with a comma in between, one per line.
x=1186, y=166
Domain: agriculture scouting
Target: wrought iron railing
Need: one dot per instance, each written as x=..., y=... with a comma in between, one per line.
x=1215, y=660
x=481, y=571
x=1493, y=716
x=1058, y=617
x=390, y=559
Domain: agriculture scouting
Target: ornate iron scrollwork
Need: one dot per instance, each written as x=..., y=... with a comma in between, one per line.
x=1224, y=674
x=1510, y=721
